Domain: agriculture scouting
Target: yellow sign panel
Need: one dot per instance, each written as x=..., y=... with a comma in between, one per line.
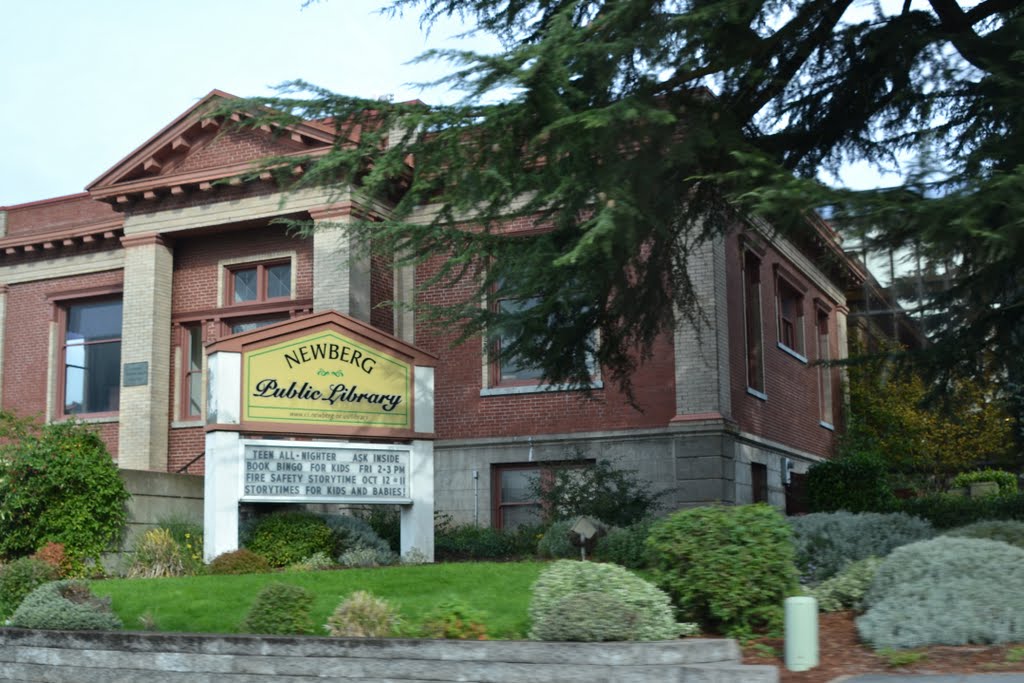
x=326, y=378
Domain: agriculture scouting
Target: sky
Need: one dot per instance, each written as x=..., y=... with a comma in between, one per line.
x=85, y=82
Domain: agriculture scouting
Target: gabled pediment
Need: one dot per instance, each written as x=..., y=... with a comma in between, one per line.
x=194, y=151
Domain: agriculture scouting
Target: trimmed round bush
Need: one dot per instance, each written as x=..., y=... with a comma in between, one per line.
x=363, y=615
x=1007, y=531
x=946, y=591
x=285, y=538
x=589, y=601
x=727, y=568
x=241, y=561
x=280, y=609
x=65, y=605
x=625, y=546
x=825, y=542
x=846, y=589
x=19, y=578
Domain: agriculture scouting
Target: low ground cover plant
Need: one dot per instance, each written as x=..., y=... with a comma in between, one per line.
x=825, y=542
x=453, y=619
x=589, y=601
x=65, y=605
x=727, y=568
x=1007, y=531
x=946, y=591
x=19, y=578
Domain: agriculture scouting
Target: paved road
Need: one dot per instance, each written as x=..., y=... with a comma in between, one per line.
x=943, y=678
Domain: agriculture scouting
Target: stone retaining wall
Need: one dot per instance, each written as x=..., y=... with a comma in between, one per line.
x=128, y=657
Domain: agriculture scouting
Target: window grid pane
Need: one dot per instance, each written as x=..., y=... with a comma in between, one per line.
x=279, y=281
x=244, y=285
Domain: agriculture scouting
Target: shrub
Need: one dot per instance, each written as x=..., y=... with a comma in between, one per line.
x=59, y=483
x=588, y=601
x=385, y=520
x=948, y=512
x=239, y=561
x=453, y=620
x=727, y=568
x=825, y=542
x=555, y=542
x=284, y=538
x=1011, y=532
x=857, y=484
x=596, y=489
x=367, y=557
x=846, y=589
x=1006, y=481
x=188, y=535
x=625, y=546
x=354, y=532
x=280, y=609
x=313, y=563
x=363, y=615
x=18, y=579
x=156, y=554
x=53, y=554
x=471, y=542
x=946, y=591
x=65, y=605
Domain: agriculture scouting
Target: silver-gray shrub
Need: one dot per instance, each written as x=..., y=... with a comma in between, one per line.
x=846, y=589
x=946, y=591
x=67, y=606
x=367, y=557
x=1005, y=530
x=589, y=601
x=825, y=542
x=354, y=532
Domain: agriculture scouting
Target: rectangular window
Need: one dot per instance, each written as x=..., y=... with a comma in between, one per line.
x=825, y=399
x=253, y=283
x=791, y=316
x=192, y=365
x=509, y=369
x=752, y=320
x=91, y=357
x=514, y=501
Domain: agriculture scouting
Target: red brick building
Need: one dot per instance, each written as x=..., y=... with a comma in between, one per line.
x=108, y=297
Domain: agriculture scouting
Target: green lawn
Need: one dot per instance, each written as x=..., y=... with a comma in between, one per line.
x=217, y=604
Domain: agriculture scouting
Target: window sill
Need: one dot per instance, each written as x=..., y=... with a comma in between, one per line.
x=100, y=419
x=534, y=389
x=757, y=394
x=187, y=424
x=796, y=354
x=827, y=425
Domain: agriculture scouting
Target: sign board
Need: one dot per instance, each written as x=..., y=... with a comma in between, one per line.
x=326, y=378
x=320, y=472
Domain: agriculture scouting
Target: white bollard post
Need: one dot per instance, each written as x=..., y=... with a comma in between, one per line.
x=801, y=622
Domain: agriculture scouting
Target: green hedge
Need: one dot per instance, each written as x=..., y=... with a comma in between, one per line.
x=947, y=512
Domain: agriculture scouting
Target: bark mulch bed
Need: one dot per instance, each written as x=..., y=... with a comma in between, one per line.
x=841, y=655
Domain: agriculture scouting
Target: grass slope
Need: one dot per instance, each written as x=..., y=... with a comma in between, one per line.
x=217, y=604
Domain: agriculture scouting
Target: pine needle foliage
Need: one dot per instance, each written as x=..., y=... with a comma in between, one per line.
x=633, y=131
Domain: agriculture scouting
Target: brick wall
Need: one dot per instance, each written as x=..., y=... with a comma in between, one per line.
x=790, y=415
x=72, y=211
x=461, y=412
x=382, y=288
x=27, y=343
